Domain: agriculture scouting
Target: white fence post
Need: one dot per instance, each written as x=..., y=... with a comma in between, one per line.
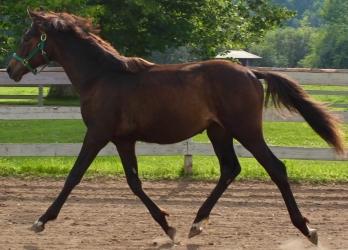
x=188, y=158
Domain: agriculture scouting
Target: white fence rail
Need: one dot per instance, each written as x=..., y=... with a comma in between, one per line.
x=306, y=76
x=183, y=148
x=56, y=75
x=73, y=113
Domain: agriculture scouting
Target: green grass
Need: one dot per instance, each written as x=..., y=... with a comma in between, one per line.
x=325, y=87
x=287, y=134
x=41, y=131
x=329, y=99
x=166, y=167
x=22, y=90
x=70, y=131
x=170, y=167
x=46, y=102
x=34, y=91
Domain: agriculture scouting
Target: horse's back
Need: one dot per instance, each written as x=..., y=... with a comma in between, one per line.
x=224, y=88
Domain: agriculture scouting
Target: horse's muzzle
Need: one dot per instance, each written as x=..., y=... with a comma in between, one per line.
x=13, y=73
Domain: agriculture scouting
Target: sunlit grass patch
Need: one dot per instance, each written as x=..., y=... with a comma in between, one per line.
x=171, y=167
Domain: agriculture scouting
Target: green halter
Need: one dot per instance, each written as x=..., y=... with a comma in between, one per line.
x=39, y=48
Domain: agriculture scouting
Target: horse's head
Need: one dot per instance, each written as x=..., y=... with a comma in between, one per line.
x=33, y=52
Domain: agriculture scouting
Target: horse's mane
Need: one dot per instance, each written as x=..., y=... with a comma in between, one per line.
x=83, y=28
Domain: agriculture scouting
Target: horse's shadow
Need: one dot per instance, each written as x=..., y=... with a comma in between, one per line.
x=192, y=246
x=167, y=246
x=30, y=247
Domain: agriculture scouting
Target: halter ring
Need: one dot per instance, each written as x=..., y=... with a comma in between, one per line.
x=43, y=37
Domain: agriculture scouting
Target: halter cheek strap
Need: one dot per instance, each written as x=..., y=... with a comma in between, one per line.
x=39, y=48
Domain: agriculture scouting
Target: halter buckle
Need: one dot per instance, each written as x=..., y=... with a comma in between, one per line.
x=43, y=37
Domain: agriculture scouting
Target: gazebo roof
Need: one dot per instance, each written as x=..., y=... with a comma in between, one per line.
x=237, y=54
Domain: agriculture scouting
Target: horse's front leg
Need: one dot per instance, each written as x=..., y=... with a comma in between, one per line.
x=126, y=151
x=92, y=144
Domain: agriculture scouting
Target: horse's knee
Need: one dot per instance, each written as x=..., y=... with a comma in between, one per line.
x=281, y=166
x=236, y=171
x=278, y=173
x=229, y=174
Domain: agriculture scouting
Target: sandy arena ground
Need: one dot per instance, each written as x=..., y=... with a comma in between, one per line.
x=104, y=214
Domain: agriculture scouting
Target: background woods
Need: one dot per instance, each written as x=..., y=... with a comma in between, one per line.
x=317, y=36
x=140, y=27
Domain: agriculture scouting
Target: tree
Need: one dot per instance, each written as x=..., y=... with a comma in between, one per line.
x=138, y=27
x=284, y=47
x=307, y=12
x=330, y=46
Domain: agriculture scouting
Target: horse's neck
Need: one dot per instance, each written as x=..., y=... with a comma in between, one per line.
x=78, y=63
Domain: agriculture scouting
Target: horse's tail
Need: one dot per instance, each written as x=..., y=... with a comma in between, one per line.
x=287, y=92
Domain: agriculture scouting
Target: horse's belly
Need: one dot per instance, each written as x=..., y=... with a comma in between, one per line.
x=168, y=132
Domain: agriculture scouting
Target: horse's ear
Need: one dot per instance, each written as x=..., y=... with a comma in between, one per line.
x=29, y=12
x=33, y=14
x=37, y=18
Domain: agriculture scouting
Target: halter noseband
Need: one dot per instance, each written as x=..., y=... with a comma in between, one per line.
x=39, y=48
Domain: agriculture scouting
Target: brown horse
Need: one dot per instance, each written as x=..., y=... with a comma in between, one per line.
x=124, y=100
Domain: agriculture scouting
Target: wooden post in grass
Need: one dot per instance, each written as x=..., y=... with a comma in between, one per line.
x=188, y=159
x=188, y=164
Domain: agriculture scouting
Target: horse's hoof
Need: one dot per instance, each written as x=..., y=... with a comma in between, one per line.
x=195, y=230
x=38, y=226
x=171, y=232
x=197, y=227
x=313, y=236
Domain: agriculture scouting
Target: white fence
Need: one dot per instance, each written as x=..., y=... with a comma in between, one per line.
x=73, y=113
x=182, y=148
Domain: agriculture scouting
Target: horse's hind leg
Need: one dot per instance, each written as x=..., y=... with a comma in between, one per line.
x=126, y=151
x=277, y=171
x=229, y=169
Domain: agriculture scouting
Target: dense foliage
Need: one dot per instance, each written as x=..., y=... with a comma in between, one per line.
x=284, y=47
x=329, y=48
x=317, y=36
x=306, y=12
x=139, y=27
